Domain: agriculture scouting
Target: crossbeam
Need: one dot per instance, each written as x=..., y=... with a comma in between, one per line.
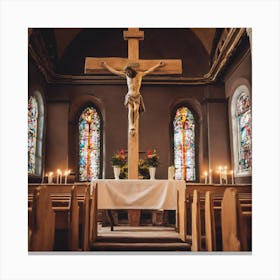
x=93, y=65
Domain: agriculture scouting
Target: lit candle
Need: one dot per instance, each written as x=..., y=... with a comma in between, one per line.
x=205, y=177
x=210, y=176
x=225, y=173
x=65, y=174
x=57, y=176
x=50, y=178
x=232, y=179
x=220, y=172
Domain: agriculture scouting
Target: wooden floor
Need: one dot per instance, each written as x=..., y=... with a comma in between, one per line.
x=141, y=238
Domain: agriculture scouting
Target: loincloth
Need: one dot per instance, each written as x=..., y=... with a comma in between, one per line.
x=132, y=99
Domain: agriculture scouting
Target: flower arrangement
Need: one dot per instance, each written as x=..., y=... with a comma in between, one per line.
x=152, y=158
x=119, y=158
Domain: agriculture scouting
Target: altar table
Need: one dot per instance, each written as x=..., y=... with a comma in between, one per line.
x=144, y=194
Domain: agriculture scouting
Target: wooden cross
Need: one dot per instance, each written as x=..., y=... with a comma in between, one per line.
x=133, y=35
x=172, y=66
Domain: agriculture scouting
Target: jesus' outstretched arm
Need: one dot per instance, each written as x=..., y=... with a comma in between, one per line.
x=112, y=70
x=152, y=69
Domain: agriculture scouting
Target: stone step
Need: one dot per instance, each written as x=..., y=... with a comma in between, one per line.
x=140, y=246
x=131, y=239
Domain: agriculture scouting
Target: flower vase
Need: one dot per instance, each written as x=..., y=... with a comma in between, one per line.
x=152, y=171
x=117, y=171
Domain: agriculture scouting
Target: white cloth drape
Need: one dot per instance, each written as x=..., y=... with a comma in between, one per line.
x=138, y=194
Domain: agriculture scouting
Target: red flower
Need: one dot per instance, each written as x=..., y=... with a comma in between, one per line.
x=150, y=153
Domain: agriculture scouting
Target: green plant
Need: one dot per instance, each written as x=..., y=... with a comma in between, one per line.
x=124, y=172
x=143, y=169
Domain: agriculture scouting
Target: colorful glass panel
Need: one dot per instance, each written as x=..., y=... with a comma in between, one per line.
x=245, y=132
x=32, y=133
x=184, y=144
x=89, y=144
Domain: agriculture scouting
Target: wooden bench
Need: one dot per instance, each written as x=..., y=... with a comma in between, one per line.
x=60, y=195
x=205, y=214
x=41, y=221
x=66, y=215
x=236, y=222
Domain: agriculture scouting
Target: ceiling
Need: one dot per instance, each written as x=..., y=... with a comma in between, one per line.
x=64, y=37
x=61, y=52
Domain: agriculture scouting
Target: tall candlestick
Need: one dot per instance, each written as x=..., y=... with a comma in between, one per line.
x=205, y=177
x=225, y=172
x=57, y=176
x=171, y=172
x=232, y=179
x=65, y=174
x=220, y=172
x=210, y=176
x=50, y=178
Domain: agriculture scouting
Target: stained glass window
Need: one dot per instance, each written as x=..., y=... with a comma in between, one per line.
x=184, y=144
x=243, y=109
x=32, y=133
x=89, y=144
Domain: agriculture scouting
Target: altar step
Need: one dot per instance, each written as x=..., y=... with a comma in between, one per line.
x=140, y=246
x=143, y=238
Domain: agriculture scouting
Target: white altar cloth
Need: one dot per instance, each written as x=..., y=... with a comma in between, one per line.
x=138, y=194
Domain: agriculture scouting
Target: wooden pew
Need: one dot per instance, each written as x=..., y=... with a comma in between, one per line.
x=93, y=213
x=61, y=192
x=235, y=226
x=66, y=212
x=196, y=222
x=216, y=190
x=41, y=221
x=210, y=228
x=67, y=216
x=206, y=214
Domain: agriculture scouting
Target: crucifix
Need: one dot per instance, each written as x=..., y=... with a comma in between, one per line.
x=133, y=69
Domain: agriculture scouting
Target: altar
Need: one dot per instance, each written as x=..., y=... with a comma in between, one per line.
x=144, y=194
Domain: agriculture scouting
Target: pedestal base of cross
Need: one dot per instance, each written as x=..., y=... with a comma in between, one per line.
x=95, y=65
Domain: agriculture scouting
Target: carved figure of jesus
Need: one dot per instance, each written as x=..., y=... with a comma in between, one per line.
x=133, y=99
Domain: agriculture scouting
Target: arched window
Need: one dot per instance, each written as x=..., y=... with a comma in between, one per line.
x=89, y=144
x=184, y=144
x=242, y=130
x=35, y=133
